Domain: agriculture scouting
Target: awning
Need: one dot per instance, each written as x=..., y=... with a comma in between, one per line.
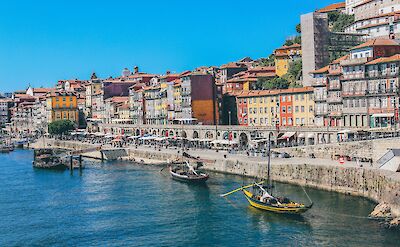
x=345, y=131
x=301, y=135
x=383, y=115
x=144, y=138
x=224, y=142
x=287, y=135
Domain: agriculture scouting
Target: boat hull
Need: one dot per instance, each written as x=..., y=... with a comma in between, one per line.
x=272, y=208
x=187, y=179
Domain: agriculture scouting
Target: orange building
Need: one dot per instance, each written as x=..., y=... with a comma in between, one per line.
x=62, y=105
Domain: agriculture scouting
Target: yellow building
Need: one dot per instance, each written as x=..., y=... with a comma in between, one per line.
x=302, y=105
x=263, y=108
x=286, y=107
x=284, y=56
x=62, y=106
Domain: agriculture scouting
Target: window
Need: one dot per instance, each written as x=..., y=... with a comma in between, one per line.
x=284, y=109
x=289, y=109
x=261, y=110
x=302, y=108
x=261, y=120
x=296, y=109
x=310, y=108
x=266, y=121
x=250, y=101
x=245, y=120
x=290, y=121
x=297, y=121
x=283, y=121
x=283, y=98
x=261, y=100
x=303, y=121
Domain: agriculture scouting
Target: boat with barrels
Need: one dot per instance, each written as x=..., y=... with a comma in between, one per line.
x=185, y=172
x=48, y=159
x=260, y=195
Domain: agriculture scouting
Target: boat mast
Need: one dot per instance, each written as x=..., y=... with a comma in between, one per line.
x=269, y=186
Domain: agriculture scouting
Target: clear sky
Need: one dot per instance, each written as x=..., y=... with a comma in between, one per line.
x=44, y=41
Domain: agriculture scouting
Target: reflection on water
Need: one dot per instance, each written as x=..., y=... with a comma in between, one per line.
x=118, y=203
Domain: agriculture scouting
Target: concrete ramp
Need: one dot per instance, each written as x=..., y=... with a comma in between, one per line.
x=114, y=154
x=390, y=160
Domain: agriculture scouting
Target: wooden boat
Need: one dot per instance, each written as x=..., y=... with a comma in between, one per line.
x=261, y=196
x=47, y=159
x=277, y=205
x=187, y=173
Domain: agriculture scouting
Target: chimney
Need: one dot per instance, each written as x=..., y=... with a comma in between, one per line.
x=136, y=69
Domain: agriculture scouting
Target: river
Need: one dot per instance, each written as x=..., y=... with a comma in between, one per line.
x=123, y=204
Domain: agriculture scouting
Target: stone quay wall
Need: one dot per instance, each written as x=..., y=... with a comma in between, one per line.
x=369, y=149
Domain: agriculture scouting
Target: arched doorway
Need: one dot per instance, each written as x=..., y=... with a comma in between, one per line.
x=195, y=135
x=243, y=140
x=209, y=135
x=183, y=134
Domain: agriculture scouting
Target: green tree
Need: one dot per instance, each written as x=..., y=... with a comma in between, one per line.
x=269, y=61
x=274, y=83
x=338, y=21
x=298, y=28
x=61, y=127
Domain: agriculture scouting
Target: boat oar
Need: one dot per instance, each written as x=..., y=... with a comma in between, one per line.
x=239, y=189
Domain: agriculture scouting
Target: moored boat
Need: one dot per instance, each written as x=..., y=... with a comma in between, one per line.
x=261, y=196
x=47, y=159
x=187, y=173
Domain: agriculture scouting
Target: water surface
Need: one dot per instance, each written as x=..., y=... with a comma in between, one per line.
x=121, y=204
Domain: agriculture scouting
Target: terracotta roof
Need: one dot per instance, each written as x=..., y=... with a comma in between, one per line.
x=377, y=16
x=362, y=3
x=255, y=93
x=233, y=65
x=376, y=42
x=285, y=47
x=393, y=58
x=321, y=70
x=43, y=90
x=332, y=7
x=345, y=57
x=372, y=25
x=118, y=99
x=124, y=107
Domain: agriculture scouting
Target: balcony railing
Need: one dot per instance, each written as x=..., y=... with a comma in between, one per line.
x=334, y=100
x=318, y=82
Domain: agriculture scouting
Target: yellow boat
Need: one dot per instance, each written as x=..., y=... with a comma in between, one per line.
x=273, y=204
x=262, y=197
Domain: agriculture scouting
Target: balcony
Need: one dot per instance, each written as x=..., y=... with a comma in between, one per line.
x=354, y=93
x=320, y=98
x=383, y=91
x=319, y=82
x=320, y=112
x=334, y=100
x=334, y=86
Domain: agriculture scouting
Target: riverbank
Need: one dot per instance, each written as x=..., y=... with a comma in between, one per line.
x=369, y=182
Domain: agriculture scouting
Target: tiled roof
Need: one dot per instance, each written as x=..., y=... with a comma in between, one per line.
x=321, y=70
x=376, y=42
x=393, y=58
x=336, y=61
x=332, y=7
x=255, y=93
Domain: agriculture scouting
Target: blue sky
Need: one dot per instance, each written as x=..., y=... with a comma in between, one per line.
x=44, y=41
